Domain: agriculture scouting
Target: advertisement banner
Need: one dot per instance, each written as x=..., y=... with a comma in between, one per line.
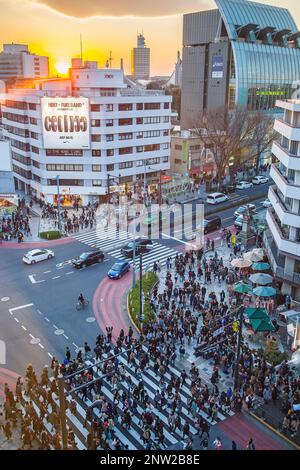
x=184, y=152
x=66, y=123
x=217, y=67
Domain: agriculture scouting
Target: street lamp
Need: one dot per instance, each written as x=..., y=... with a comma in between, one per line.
x=58, y=205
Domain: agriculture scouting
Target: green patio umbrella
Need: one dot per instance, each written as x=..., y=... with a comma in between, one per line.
x=242, y=288
x=261, y=266
x=262, y=325
x=264, y=291
x=254, y=313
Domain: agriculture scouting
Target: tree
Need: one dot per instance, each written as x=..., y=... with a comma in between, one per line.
x=225, y=133
x=263, y=136
x=175, y=91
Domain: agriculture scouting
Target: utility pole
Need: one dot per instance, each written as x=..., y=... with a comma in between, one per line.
x=58, y=205
x=238, y=351
x=108, y=189
x=141, y=289
x=62, y=411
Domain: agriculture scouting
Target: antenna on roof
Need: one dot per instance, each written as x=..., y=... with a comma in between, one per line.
x=110, y=59
x=81, y=46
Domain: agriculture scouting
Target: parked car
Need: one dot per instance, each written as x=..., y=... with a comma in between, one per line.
x=267, y=203
x=118, y=270
x=260, y=180
x=88, y=258
x=238, y=223
x=229, y=189
x=141, y=246
x=240, y=211
x=216, y=198
x=244, y=185
x=34, y=256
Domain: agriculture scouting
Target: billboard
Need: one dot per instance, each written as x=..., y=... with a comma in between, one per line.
x=217, y=67
x=66, y=123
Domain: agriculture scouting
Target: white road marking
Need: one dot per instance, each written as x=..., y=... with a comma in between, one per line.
x=67, y=337
x=5, y=299
x=50, y=355
x=47, y=319
x=47, y=272
x=31, y=336
x=56, y=327
x=55, y=277
x=18, y=321
x=176, y=239
x=38, y=311
x=24, y=328
x=19, y=308
x=41, y=346
x=31, y=278
x=58, y=332
x=75, y=345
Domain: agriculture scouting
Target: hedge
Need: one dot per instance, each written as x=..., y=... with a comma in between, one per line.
x=149, y=280
x=51, y=235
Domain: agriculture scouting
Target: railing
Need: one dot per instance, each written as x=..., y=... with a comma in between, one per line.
x=285, y=149
x=141, y=92
x=279, y=271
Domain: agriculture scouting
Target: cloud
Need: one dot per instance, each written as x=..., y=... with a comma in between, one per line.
x=89, y=8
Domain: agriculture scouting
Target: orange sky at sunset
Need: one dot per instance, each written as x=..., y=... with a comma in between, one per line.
x=56, y=33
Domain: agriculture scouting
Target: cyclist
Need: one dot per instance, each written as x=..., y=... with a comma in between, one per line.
x=81, y=300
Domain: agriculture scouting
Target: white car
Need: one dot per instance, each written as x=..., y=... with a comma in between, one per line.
x=216, y=198
x=34, y=256
x=260, y=180
x=267, y=203
x=244, y=185
x=240, y=211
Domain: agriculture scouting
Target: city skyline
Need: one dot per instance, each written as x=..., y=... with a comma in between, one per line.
x=53, y=28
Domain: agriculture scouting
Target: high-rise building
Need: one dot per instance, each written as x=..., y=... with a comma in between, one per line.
x=243, y=53
x=140, y=61
x=282, y=241
x=17, y=62
x=91, y=130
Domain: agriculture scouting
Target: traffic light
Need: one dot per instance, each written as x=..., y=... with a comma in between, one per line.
x=235, y=326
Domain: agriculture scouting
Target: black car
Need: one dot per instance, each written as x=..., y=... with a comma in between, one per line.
x=88, y=258
x=212, y=223
x=142, y=245
x=229, y=189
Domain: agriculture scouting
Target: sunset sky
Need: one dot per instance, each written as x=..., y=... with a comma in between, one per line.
x=53, y=27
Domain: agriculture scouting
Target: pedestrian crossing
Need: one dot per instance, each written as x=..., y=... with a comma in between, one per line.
x=112, y=246
x=131, y=437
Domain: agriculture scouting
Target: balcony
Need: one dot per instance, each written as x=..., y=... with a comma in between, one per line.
x=277, y=261
x=290, y=161
x=286, y=246
x=287, y=188
x=285, y=215
x=285, y=129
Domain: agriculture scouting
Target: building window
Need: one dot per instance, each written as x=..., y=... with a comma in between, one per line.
x=34, y=135
x=95, y=122
x=36, y=178
x=109, y=122
x=165, y=159
x=125, y=107
x=96, y=138
x=124, y=165
x=35, y=164
x=178, y=147
x=109, y=107
x=96, y=167
x=33, y=121
x=95, y=108
x=63, y=153
x=65, y=182
x=110, y=167
x=151, y=148
x=125, y=122
x=149, y=106
x=96, y=153
x=126, y=136
x=166, y=105
x=32, y=106
x=139, y=163
x=109, y=137
x=97, y=183
x=110, y=152
x=125, y=150
x=17, y=104
x=148, y=134
x=64, y=167
x=165, y=146
x=166, y=119
x=140, y=106
x=125, y=179
x=139, y=120
x=166, y=133
x=139, y=135
x=140, y=148
x=152, y=120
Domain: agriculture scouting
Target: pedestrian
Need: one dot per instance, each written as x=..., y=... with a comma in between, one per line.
x=218, y=443
x=250, y=445
x=68, y=354
x=233, y=445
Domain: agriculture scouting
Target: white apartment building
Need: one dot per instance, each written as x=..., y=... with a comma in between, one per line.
x=83, y=129
x=16, y=61
x=283, y=239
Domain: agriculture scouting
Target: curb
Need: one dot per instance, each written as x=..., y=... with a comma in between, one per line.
x=282, y=436
x=129, y=314
x=37, y=244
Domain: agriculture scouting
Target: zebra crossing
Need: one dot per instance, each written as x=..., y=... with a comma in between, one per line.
x=112, y=246
x=132, y=437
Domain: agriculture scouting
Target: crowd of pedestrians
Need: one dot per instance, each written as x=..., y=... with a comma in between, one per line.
x=16, y=225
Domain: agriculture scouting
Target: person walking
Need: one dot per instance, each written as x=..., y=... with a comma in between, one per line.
x=250, y=445
x=218, y=444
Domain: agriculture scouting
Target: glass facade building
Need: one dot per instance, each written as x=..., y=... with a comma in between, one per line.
x=242, y=53
x=265, y=53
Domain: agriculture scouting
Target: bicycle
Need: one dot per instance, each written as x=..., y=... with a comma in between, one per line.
x=81, y=305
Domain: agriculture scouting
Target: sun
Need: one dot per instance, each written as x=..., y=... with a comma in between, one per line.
x=62, y=67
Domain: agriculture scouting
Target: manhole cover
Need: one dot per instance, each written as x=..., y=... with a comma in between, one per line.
x=91, y=319
x=34, y=340
x=5, y=299
x=59, y=332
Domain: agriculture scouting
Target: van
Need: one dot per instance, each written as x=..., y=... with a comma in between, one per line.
x=216, y=198
x=212, y=223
